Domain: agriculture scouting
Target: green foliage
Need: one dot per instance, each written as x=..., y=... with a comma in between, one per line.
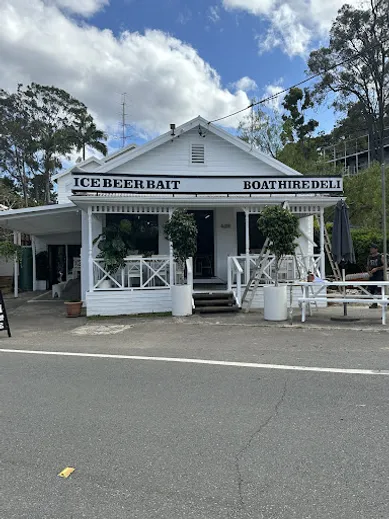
x=115, y=243
x=39, y=127
x=364, y=195
x=181, y=230
x=262, y=130
x=296, y=128
x=362, y=239
x=282, y=229
x=9, y=250
x=42, y=265
x=84, y=133
x=359, y=39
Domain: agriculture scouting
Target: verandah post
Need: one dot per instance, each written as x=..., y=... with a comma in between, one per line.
x=90, y=250
x=33, y=251
x=247, y=229
x=171, y=259
x=322, y=247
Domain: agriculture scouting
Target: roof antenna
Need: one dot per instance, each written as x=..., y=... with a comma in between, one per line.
x=173, y=128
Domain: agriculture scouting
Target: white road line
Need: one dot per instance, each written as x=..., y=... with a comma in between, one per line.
x=203, y=361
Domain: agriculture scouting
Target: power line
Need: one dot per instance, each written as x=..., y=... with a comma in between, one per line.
x=313, y=76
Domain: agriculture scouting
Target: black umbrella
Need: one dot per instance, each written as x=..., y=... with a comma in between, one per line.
x=342, y=242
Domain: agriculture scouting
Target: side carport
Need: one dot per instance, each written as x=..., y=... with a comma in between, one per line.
x=47, y=225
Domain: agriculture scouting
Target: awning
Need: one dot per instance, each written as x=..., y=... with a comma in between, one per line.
x=43, y=220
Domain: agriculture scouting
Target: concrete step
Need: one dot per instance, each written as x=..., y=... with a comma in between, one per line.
x=214, y=302
x=216, y=309
x=212, y=295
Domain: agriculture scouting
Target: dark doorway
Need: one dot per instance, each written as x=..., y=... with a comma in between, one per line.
x=204, y=260
x=57, y=262
x=256, y=238
x=145, y=231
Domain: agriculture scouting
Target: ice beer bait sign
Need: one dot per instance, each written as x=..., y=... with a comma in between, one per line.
x=120, y=183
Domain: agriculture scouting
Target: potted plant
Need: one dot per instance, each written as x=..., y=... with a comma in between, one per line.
x=114, y=243
x=181, y=231
x=281, y=227
x=73, y=308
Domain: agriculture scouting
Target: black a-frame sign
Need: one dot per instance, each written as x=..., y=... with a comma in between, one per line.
x=4, y=324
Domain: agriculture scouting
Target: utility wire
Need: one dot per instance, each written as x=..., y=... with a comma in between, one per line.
x=313, y=76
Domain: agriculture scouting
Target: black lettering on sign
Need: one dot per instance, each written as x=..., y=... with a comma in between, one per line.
x=138, y=184
x=107, y=182
x=246, y=184
x=117, y=183
x=176, y=183
x=4, y=324
x=84, y=182
x=160, y=184
x=127, y=184
x=76, y=184
x=151, y=184
x=324, y=184
x=95, y=182
x=264, y=185
x=306, y=184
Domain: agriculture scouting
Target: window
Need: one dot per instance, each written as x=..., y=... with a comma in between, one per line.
x=197, y=154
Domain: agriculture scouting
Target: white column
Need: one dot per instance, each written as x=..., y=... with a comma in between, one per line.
x=33, y=250
x=322, y=248
x=247, y=228
x=171, y=255
x=90, y=249
x=66, y=262
x=16, y=267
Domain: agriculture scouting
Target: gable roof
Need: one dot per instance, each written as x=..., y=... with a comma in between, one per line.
x=202, y=123
x=78, y=165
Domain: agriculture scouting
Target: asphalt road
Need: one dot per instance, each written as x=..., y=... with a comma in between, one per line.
x=150, y=439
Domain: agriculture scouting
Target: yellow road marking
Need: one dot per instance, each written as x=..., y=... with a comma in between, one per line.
x=66, y=472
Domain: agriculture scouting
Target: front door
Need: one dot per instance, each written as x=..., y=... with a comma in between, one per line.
x=204, y=260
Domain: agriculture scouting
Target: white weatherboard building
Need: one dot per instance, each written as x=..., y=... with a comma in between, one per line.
x=199, y=167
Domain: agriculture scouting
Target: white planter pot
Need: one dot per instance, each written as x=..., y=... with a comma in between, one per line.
x=181, y=300
x=275, y=303
x=105, y=284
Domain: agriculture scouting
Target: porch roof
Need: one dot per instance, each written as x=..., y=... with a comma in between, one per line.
x=43, y=220
x=309, y=204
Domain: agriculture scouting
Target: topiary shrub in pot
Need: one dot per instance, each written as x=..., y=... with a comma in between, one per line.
x=282, y=228
x=181, y=231
x=115, y=244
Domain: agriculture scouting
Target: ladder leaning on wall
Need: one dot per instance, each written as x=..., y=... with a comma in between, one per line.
x=328, y=249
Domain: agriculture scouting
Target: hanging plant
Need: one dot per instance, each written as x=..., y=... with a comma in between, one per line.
x=282, y=228
x=115, y=243
x=181, y=230
x=9, y=251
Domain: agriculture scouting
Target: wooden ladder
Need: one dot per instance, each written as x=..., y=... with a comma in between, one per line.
x=328, y=248
x=255, y=277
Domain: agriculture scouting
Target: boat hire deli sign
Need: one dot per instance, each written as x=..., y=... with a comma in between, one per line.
x=121, y=183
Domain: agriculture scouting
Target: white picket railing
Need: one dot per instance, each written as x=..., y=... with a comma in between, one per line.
x=292, y=268
x=235, y=272
x=140, y=274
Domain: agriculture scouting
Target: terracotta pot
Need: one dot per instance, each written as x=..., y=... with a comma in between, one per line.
x=73, y=308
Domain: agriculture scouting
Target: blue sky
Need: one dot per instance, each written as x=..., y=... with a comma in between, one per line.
x=175, y=59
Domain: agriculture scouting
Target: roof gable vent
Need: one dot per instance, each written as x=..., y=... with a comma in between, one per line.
x=197, y=154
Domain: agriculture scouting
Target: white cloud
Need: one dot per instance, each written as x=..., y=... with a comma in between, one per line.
x=294, y=24
x=166, y=81
x=82, y=7
x=214, y=13
x=246, y=84
x=273, y=90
